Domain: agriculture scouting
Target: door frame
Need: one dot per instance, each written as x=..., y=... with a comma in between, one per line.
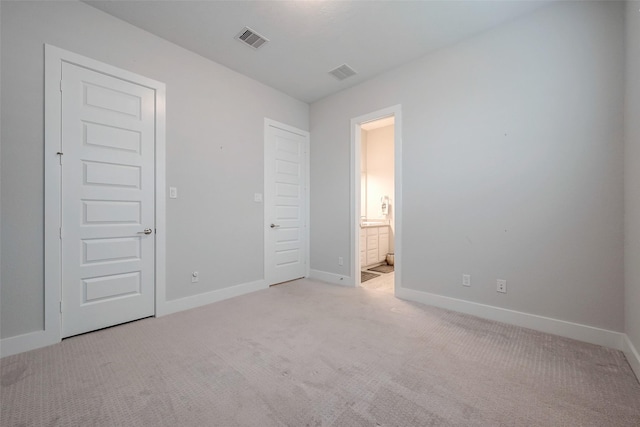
x=54, y=57
x=306, y=215
x=356, y=191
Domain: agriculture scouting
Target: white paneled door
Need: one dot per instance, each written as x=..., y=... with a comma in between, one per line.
x=286, y=188
x=108, y=192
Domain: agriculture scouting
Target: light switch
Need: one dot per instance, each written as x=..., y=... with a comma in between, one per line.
x=257, y=197
x=173, y=192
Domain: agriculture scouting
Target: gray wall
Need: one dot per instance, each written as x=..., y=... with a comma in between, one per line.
x=512, y=166
x=632, y=176
x=215, y=120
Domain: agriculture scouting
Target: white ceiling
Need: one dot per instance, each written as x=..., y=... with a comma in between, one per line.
x=310, y=38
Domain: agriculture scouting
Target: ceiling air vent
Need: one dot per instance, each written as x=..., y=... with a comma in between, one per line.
x=251, y=38
x=342, y=72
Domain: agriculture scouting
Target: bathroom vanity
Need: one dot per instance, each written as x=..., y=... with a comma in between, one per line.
x=374, y=244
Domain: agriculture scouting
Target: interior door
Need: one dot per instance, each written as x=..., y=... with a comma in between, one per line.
x=107, y=233
x=286, y=158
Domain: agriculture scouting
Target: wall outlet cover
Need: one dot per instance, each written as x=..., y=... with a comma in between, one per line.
x=466, y=280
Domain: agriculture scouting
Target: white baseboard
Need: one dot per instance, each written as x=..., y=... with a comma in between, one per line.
x=198, y=300
x=25, y=342
x=633, y=356
x=562, y=328
x=333, y=278
x=33, y=340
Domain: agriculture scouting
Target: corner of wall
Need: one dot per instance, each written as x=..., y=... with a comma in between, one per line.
x=632, y=191
x=632, y=355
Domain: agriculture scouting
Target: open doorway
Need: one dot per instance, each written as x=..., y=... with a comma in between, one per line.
x=376, y=202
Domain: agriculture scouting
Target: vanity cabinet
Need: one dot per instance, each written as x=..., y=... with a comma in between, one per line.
x=374, y=244
x=383, y=243
x=363, y=247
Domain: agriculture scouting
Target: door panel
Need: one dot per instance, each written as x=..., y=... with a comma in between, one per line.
x=96, y=173
x=112, y=137
x=108, y=191
x=285, y=204
x=105, y=250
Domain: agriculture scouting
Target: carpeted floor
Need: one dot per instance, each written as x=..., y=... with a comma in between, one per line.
x=311, y=354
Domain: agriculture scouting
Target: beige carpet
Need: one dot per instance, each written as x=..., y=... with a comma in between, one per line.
x=311, y=354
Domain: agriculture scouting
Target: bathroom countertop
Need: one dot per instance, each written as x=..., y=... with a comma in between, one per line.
x=373, y=225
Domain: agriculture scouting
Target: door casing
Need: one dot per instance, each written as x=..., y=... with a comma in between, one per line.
x=54, y=57
x=356, y=161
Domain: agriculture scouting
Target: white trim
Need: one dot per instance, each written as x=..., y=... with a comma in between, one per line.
x=52, y=189
x=562, y=328
x=161, y=201
x=307, y=205
x=52, y=245
x=356, y=197
x=210, y=297
x=25, y=342
x=333, y=278
x=356, y=161
x=632, y=355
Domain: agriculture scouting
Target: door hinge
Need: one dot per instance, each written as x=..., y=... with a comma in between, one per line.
x=60, y=232
x=60, y=85
x=60, y=154
x=60, y=306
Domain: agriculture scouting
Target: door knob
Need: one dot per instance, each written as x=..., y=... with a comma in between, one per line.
x=146, y=231
x=274, y=226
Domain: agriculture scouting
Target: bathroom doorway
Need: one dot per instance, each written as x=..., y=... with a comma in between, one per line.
x=376, y=202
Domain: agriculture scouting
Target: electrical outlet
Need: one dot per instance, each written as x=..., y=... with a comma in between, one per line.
x=195, y=277
x=501, y=286
x=466, y=280
x=340, y=260
x=173, y=192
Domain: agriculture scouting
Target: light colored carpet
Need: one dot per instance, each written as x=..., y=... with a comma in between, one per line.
x=310, y=354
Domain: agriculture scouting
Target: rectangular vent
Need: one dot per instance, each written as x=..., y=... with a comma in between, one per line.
x=251, y=38
x=342, y=72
